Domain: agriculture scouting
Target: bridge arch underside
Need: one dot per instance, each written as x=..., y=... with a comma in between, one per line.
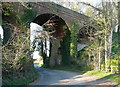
x=56, y=27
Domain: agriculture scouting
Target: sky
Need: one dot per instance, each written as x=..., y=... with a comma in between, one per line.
x=93, y=2
x=80, y=8
x=1, y=32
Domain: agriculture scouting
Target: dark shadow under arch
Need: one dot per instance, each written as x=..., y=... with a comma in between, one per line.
x=52, y=22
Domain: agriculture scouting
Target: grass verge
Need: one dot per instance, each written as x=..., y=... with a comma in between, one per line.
x=115, y=77
x=23, y=80
x=70, y=68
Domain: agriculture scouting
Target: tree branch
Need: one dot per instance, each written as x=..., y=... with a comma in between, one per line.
x=98, y=9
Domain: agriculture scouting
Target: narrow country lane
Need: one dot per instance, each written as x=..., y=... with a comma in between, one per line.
x=59, y=77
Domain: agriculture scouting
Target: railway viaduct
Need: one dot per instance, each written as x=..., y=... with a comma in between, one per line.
x=58, y=20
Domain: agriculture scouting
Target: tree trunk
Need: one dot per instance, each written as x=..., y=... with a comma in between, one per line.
x=99, y=57
x=106, y=54
x=119, y=34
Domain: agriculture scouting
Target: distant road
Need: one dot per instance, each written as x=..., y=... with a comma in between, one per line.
x=59, y=77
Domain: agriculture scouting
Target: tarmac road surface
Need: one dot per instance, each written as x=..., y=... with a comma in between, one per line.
x=59, y=77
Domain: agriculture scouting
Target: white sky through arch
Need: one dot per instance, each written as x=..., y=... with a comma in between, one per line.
x=33, y=28
x=1, y=32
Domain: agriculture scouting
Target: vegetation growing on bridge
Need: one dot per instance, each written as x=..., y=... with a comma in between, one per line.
x=17, y=64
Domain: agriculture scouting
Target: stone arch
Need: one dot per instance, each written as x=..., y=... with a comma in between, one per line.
x=52, y=23
x=87, y=33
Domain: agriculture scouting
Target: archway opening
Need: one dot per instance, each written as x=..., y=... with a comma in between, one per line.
x=86, y=35
x=56, y=29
